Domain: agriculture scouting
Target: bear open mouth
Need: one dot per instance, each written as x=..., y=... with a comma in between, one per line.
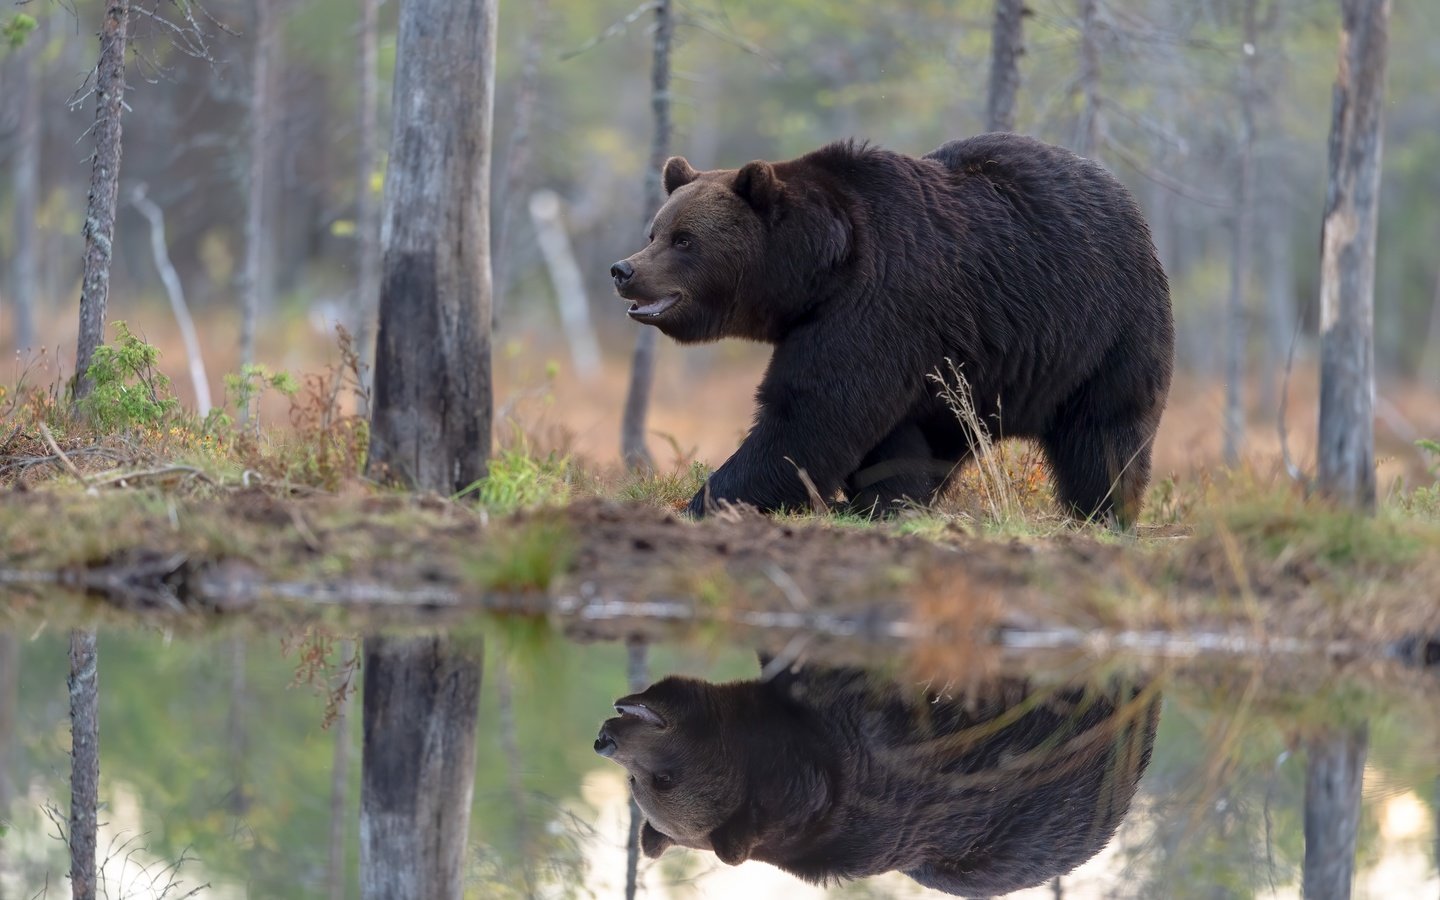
x=653, y=309
x=640, y=711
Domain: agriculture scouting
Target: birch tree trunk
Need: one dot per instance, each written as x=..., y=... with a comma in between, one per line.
x=1334, y=766
x=84, y=762
x=515, y=183
x=27, y=194
x=421, y=702
x=174, y=290
x=569, y=285
x=430, y=430
x=1087, y=128
x=9, y=704
x=1430, y=354
x=367, y=205
x=1007, y=45
x=1241, y=236
x=642, y=365
x=1347, y=268
x=104, y=188
x=261, y=115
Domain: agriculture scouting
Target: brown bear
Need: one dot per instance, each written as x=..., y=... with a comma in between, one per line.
x=1021, y=266
x=834, y=774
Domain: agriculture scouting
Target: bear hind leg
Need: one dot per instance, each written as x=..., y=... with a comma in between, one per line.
x=1101, y=469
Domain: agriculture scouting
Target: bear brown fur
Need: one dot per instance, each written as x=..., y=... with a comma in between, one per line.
x=1021, y=266
x=833, y=774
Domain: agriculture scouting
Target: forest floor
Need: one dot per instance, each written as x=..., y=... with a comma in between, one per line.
x=163, y=518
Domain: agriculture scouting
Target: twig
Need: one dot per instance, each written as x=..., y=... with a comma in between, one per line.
x=122, y=477
x=55, y=448
x=613, y=31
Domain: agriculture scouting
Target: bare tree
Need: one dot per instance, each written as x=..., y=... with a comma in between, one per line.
x=367, y=206
x=1241, y=236
x=27, y=193
x=1430, y=354
x=514, y=184
x=1334, y=769
x=1347, y=268
x=1087, y=128
x=9, y=701
x=160, y=252
x=1007, y=45
x=430, y=429
x=554, y=240
x=510, y=746
x=642, y=365
x=261, y=128
x=84, y=762
x=104, y=188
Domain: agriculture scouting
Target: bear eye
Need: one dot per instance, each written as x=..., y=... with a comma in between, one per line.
x=681, y=242
x=664, y=780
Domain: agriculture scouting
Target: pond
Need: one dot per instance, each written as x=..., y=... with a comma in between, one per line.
x=1049, y=775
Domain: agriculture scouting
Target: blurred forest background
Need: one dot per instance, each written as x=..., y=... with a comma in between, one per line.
x=1159, y=90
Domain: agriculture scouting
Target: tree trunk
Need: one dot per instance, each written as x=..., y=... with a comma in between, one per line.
x=367, y=205
x=261, y=119
x=340, y=784
x=1334, y=766
x=176, y=292
x=430, y=430
x=104, y=188
x=237, y=733
x=1280, y=318
x=431, y=420
x=569, y=285
x=27, y=194
x=1430, y=354
x=638, y=670
x=421, y=703
x=642, y=364
x=515, y=183
x=1007, y=45
x=84, y=762
x=1240, y=235
x=1347, y=268
x=1087, y=128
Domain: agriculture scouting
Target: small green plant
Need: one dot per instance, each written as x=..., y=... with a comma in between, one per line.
x=517, y=480
x=128, y=391
x=243, y=390
x=1426, y=500
x=673, y=490
x=16, y=29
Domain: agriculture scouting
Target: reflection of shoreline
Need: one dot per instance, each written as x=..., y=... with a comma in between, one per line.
x=1403, y=869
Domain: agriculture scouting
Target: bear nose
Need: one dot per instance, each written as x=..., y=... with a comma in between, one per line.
x=622, y=272
x=605, y=744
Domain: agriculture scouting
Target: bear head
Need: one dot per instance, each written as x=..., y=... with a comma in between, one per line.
x=735, y=252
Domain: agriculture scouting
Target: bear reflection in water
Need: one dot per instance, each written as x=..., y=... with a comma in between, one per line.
x=833, y=774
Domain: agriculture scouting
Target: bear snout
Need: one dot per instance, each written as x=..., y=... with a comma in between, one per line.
x=622, y=272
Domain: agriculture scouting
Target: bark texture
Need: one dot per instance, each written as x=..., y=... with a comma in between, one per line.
x=1334, y=765
x=421, y=703
x=1347, y=268
x=642, y=365
x=84, y=762
x=1007, y=45
x=432, y=405
x=104, y=188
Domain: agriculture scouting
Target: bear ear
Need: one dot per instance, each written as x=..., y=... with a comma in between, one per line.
x=652, y=842
x=677, y=173
x=757, y=184
x=734, y=841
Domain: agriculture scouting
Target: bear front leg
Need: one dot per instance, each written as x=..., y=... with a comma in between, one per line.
x=821, y=410
x=902, y=469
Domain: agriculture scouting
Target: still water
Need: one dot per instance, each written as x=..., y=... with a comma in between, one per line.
x=1059, y=778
